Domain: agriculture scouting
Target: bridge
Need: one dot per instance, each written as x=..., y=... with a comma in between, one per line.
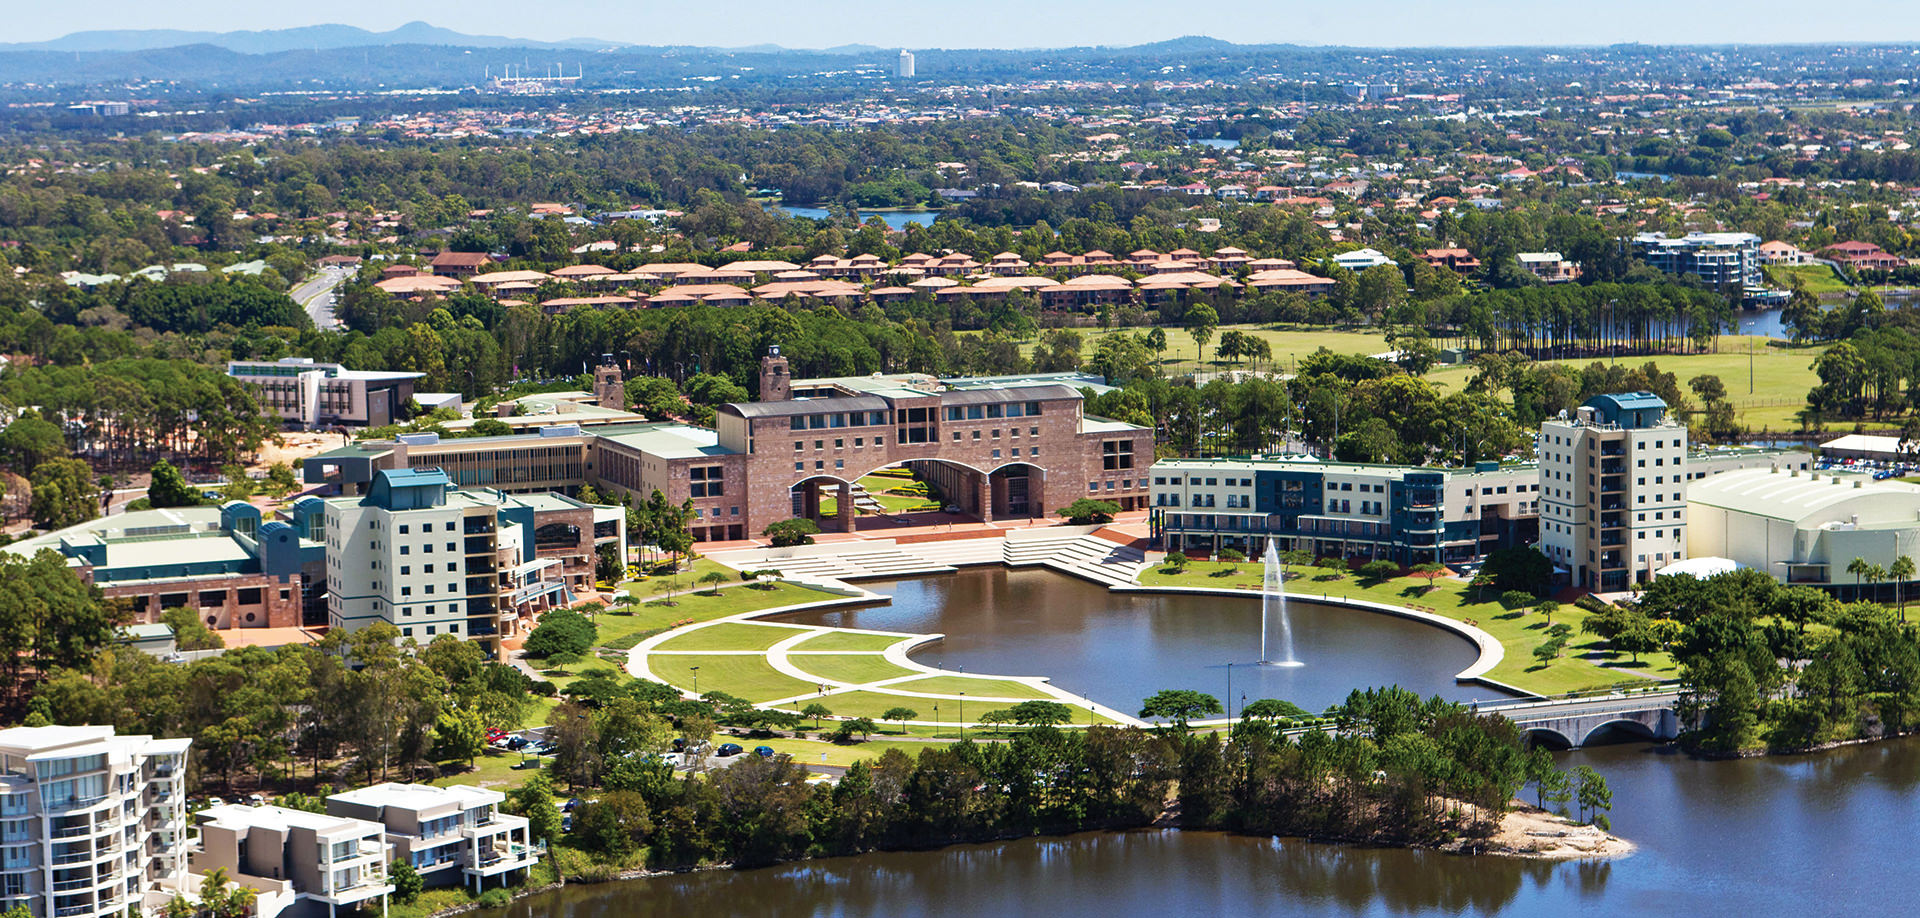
x=1575, y=721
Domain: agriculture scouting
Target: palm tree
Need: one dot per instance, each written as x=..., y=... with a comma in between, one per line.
x=1901, y=571
x=1858, y=567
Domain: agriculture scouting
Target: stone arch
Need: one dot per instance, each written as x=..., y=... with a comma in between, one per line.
x=1546, y=736
x=961, y=485
x=1621, y=725
x=1018, y=490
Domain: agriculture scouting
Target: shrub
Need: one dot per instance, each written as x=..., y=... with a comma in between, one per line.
x=495, y=898
x=1232, y=556
x=1591, y=603
x=1516, y=599
x=788, y=533
x=1379, y=571
x=1087, y=511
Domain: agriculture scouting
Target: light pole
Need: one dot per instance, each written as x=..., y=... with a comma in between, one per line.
x=696, y=681
x=1230, y=696
x=963, y=715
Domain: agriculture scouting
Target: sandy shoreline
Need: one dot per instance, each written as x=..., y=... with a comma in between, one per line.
x=1528, y=831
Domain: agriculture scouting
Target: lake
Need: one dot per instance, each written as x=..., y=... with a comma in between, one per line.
x=895, y=219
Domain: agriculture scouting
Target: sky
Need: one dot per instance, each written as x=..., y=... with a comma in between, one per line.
x=1026, y=23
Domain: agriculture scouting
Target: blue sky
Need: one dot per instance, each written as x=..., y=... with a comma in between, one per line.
x=1026, y=23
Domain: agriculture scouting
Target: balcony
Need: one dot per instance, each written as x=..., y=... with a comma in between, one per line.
x=70, y=831
x=1613, y=485
x=477, y=525
x=1613, y=448
x=480, y=545
x=1613, y=538
x=1613, y=467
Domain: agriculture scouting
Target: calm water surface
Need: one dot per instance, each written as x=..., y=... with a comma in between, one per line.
x=895, y=220
x=1826, y=834
x=1118, y=648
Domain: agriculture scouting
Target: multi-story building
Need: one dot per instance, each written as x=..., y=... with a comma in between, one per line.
x=310, y=394
x=449, y=834
x=994, y=448
x=1723, y=260
x=904, y=68
x=1414, y=514
x=1549, y=267
x=1405, y=514
x=92, y=825
x=1613, y=490
x=430, y=559
x=293, y=856
x=229, y=564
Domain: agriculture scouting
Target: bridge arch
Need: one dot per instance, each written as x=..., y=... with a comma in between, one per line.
x=1546, y=737
x=1618, y=726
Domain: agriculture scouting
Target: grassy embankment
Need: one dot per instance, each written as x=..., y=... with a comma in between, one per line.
x=1585, y=664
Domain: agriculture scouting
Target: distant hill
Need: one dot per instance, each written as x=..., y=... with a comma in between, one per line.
x=304, y=38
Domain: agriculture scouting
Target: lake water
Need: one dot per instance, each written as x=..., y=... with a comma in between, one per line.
x=1118, y=648
x=1822, y=834
x=896, y=220
x=1219, y=143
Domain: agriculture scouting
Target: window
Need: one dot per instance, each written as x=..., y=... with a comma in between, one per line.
x=403, y=529
x=706, y=481
x=1116, y=455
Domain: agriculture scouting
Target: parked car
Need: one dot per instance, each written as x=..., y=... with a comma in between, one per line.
x=518, y=742
x=765, y=752
x=571, y=804
x=729, y=749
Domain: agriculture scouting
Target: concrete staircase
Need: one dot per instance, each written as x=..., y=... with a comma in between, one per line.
x=1079, y=554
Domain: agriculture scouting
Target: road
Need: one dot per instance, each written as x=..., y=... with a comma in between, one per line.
x=316, y=295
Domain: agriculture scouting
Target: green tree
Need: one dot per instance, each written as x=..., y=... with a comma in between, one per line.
x=796, y=531
x=816, y=711
x=65, y=493
x=170, y=488
x=1901, y=571
x=30, y=441
x=459, y=734
x=534, y=800
x=1041, y=713
x=1591, y=790
x=1179, y=706
x=1201, y=320
x=1379, y=571
x=899, y=715
x=1087, y=511
x=561, y=631
x=407, y=884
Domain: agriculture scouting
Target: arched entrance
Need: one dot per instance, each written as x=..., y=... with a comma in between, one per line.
x=1018, y=490
x=873, y=499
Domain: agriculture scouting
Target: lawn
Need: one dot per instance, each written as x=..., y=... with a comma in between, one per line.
x=1518, y=631
x=746, y=676
x=855, y=668
x=620, y=632
x=876, y=486
x=849, y=641
x=1818, y=279
x=730, y=636
x=975, y=688
x=814, y=752
x=1781, y=377
x=1289, y=344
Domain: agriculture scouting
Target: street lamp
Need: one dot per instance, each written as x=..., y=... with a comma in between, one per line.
x=696, y=681
x=1229, y=696
x=963, y=714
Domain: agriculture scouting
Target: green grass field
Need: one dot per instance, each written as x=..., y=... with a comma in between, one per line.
x=1781, y=377
x=855, y=668
x=1518, y=632
x=873, y=704
x=730, y=636
x=1289, y=344
x=741, y=675
x=849, y=641
x=1817, y=279
x=975, y=688
x=616, y=628
x=876, y=486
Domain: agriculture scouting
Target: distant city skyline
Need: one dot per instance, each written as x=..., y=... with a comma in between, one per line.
x=1008, y=24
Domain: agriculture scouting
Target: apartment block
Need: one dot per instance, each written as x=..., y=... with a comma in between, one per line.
x=1613, y=490
x=449, y=834
x=294, y=857
x=430, y=559
x=92, y=824
x=1723, y=260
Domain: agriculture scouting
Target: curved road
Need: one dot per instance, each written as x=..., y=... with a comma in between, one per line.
x=316, y=295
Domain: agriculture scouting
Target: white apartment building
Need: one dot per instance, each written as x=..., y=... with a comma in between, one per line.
x=91, y=824
x=1613, y=490
x=430, y=560
x=449, y=834
x=904, y=68
x=292, y=856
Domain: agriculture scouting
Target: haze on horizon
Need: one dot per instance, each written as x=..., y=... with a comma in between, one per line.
x=1011, y=24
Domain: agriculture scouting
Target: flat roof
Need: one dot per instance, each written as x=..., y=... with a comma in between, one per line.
x=240, y=815
x=667, y=441
x=168, y=520
x=419, y=796
x=792, y=407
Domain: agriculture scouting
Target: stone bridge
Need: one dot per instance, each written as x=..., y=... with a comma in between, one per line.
x=1574, y=721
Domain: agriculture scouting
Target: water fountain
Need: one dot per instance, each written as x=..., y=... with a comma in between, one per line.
x=1273, y=596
